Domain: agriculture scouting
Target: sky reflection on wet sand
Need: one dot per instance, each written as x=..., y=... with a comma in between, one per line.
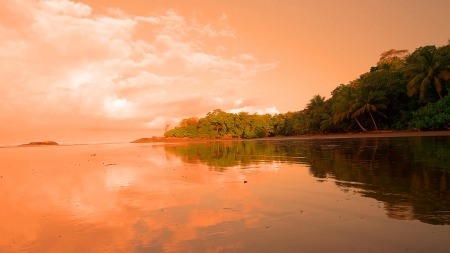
x=142, y=198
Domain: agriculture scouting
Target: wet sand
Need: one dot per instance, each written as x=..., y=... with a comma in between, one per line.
x=370, y=134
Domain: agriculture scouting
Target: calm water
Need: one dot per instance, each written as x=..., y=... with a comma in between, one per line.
x=328, y=195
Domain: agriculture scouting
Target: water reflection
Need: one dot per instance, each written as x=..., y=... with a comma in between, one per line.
x=410, y=175
x=125, y=198
x=192, y=197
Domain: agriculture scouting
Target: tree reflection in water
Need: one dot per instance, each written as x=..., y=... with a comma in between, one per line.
x=410, y=175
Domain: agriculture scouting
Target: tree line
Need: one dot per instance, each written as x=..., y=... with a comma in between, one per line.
x=403, y=91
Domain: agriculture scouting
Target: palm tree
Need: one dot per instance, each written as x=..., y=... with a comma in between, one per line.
x=368, y=101
x=327, y=123
x=314, y=109
x=344, y=106
x=428, y=66
x=315, y=102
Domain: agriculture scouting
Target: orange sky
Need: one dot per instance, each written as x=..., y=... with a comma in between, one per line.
x=113, y=70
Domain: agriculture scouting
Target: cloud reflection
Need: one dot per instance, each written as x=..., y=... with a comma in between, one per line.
x=120, y=199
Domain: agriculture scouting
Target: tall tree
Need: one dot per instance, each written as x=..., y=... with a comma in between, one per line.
x=392, y=60
x=368, y=101
x=344, y=106
x=315, y=110
x=315, y=102
x=424, y=67
x=217, y=119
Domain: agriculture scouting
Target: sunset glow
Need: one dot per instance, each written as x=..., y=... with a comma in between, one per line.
x=113, y=70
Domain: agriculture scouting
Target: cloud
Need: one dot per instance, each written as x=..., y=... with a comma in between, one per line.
x=117, y=107
x=246, y=57
x=152, y=20
x=64, y=8
x=59, y=58
x=251, y=109
x=157, y=123
x=219, y=100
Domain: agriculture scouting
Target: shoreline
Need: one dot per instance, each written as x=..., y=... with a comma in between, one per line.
x=371, y=134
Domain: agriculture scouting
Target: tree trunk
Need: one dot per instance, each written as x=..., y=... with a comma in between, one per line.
x=349, y=131
x=376, y=128
x=365, y=130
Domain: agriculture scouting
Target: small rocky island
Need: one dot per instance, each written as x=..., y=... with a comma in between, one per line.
x=41, y=143
x=165, y=139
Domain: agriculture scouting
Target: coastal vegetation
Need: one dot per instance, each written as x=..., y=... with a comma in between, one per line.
x=404, y=91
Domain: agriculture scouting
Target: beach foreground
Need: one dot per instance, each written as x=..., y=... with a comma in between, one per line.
x=282, y=195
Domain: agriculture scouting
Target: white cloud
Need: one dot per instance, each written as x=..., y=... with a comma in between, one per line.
x=251, y=109
x=219, y=100
x=79, y=79
x=63, y=58
x=157, y=123
x=247, y=57
x=60, y=7
x=145, y=78
x=152, y=20
x=270, y=110
x=118, y=107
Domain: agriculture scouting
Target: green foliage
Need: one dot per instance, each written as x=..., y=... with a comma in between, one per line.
x=369, y=101
x=177, y=132
x=220, y=124
x=391, y=60
x=390, y=96
x=428, y=69
x=432, y=116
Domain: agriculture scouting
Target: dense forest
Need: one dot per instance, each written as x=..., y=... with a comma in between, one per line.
x=404, y=91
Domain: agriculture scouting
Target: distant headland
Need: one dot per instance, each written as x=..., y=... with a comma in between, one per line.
x=40, y=143
x=163, y=139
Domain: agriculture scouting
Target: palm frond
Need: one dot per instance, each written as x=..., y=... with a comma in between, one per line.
x=417, y=79
x=422, y=60
x=358, y=112
x=437, y=85
x=444, y=74
x=430, y=72
x=381, y=114
x=423, y=87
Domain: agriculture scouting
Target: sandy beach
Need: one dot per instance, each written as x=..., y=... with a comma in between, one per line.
x=370, y=134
